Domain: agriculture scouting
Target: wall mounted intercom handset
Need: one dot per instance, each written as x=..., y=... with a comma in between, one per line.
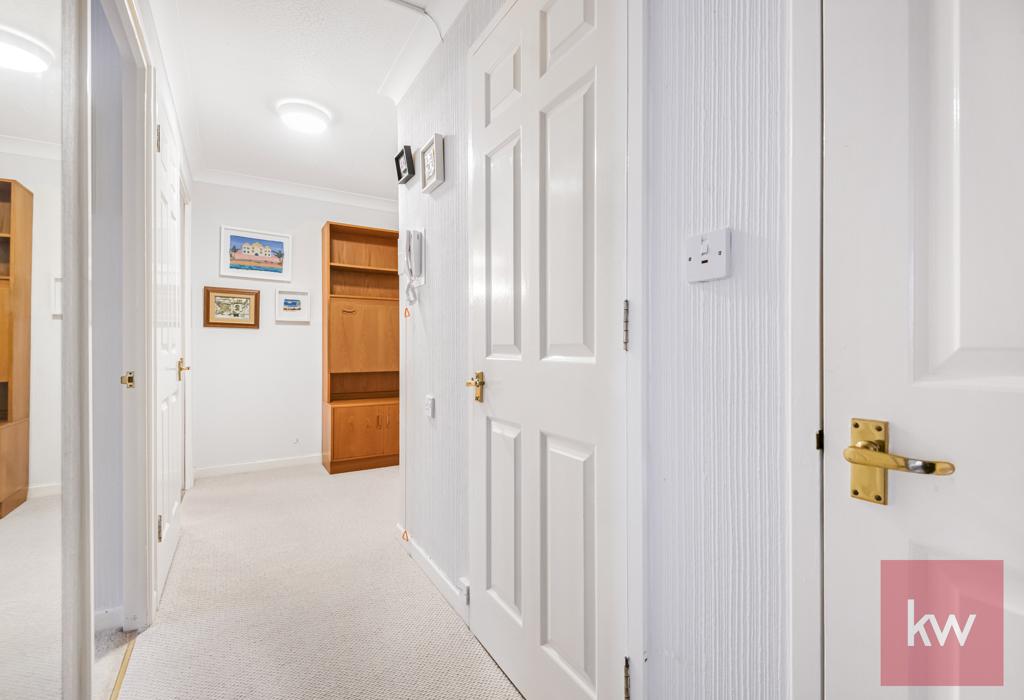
x=415, y=269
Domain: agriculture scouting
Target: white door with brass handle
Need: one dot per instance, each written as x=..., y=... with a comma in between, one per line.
x=923, y=332
x=547, y=555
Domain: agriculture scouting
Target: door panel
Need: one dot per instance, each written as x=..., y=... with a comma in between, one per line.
x=169, y=428
x=358, y=431
x=547, y=457
x=922, y=325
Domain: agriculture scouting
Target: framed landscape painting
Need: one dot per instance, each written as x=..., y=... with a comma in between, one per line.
x=231, y=308
x=255, y=254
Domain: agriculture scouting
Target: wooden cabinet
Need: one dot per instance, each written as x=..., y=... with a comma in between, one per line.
x=363, y=434
x=360, y=347
x=356, y=431
x=15, y=336
x=363, y=335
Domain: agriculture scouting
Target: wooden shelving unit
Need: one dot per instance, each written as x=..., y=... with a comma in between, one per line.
x=15, y=332
x=360, y=347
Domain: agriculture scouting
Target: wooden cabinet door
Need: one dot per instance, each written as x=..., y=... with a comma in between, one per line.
x=363, y=335
x=356, y=431
x=391, y=431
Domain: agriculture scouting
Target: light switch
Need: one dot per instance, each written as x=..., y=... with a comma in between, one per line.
x=709, y=256
x=428, y=406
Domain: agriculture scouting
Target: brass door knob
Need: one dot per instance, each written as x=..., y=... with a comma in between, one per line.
x=871, y=462
x=477, y=383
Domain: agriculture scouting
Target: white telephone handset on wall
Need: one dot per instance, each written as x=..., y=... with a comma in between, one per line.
x=414, y=266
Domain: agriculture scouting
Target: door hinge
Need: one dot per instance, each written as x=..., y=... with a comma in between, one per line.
x=625, y=325
x=158, y=138
x=467, y=596
x=159, y=528
x=625, y=679
x=819, y=440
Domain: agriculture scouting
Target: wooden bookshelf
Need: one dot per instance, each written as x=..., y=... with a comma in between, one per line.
x=15, y=330
x=360, y=347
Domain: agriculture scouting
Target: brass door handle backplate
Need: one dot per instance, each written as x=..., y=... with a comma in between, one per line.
x=477, y=382
x=871, y=462
x=182, y=368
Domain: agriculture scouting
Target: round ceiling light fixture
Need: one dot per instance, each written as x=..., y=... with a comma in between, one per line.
x=304, y=116
x=21, y=52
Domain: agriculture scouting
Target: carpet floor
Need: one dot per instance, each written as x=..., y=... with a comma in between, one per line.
x=30, y=601
x=293, y=584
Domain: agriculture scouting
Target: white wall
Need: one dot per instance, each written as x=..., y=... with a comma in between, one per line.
x=41, y=174
x=256, y=394
x=434, y=337
x=717, y=499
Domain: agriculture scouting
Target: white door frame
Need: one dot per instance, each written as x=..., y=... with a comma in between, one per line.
x=636, y=365
x=76, y=470
x=803, y=339
x=186, y=321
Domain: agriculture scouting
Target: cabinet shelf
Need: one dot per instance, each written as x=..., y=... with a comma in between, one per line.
x=364, y=268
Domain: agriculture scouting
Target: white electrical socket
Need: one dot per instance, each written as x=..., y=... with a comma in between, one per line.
x=428, y=406
x=709, y=256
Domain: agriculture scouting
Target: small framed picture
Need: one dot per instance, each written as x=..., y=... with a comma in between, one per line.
x=255, y=254
x=231, y=308
x=292, y=306
x=405, y=166
x=432, y=164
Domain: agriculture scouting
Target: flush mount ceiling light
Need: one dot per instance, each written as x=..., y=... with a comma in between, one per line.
x=304, y=116
x=20, y=52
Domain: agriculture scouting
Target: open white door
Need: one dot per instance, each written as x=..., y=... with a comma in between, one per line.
x=547, y=441
x=924, y=330
x=167, y=314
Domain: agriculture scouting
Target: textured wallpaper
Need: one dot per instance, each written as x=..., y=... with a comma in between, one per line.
x=716, y=130
x=434, y=337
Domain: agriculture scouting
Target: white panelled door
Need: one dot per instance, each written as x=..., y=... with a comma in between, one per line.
x=169, y=428
x=924, y=329
x=547, y=443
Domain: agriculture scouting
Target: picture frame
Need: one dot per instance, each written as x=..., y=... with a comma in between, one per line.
x=432, y=164
x=292, y=306
x=405, y=165
x=255, y=254
x=224, y=307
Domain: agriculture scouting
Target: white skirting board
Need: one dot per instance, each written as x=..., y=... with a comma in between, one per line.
x=112, y=619
x=260, y=466
x=41, y=490
x=453, y=593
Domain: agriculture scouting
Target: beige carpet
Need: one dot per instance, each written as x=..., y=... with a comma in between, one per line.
x=293, y=584
x=30, y=601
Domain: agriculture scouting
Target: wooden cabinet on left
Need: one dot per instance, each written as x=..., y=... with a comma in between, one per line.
x=15, y=336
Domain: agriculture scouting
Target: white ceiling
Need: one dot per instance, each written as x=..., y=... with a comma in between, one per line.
x=234, y=59
x=30, y=103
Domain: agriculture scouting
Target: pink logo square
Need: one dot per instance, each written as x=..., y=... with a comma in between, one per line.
x=942, y=623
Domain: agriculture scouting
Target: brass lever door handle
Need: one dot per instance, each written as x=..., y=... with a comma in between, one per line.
x=866, y=454
x=477, y=383
x=871, y=462
x=182, y=368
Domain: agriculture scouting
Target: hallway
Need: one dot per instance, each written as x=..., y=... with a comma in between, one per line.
x=292, y=583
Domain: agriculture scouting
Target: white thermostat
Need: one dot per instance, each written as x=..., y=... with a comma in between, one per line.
x=708, y=256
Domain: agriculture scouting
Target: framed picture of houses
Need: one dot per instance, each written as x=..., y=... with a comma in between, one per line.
x=255, y=254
